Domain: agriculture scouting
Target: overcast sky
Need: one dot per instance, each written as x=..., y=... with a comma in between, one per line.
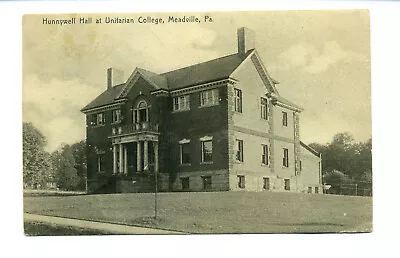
x=321, y=58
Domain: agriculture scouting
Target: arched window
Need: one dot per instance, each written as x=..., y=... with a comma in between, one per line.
x=141, y=112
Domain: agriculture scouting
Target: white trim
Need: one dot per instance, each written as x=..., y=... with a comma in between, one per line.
x=266, y=72
x=278, y=103
x=206, y=138
x=184, y=140
x=136, y=74
x=201, y=87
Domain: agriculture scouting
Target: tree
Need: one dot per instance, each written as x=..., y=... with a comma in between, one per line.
x=79, y=153
x=64, y=166
x=36, y=161
x=346, y=162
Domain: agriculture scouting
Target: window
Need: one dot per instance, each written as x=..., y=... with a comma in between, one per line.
x=116, y=116
x=241, y=182
x=266, y=185
x=209, y=97
x=264, y=108
x=309, y=189
x=206, y=182
x=285, y=157
x=100, y=162
x=181, y=103
x=239, y=150
x=287, y=184
x=101, y=119
x=284, y=118
x=141, y=112
x=238, y=100
x=206, y=151
x=185, y=183
x=184, y=153
x=316, y=189
x=264, y=157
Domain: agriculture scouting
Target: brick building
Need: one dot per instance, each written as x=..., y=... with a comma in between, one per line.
x=215, y=126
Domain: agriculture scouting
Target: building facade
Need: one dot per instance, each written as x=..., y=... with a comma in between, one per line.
x=220, y=125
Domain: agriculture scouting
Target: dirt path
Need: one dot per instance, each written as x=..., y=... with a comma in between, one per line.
x=107, y=227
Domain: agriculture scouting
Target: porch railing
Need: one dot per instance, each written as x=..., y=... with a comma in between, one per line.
x=135, y=128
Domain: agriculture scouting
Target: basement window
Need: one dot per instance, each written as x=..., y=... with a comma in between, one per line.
x=241, y=182
x=266, y=185
x=206, y=182
x=185, y=183
x=287, y=184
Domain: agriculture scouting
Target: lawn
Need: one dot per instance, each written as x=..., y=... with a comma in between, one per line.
x=43, y=229
x=216, y=212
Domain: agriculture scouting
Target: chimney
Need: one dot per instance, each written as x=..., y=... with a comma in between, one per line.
x=246, y=40
x=114, y=77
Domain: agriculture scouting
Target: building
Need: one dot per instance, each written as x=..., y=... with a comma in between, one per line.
x=220, y=125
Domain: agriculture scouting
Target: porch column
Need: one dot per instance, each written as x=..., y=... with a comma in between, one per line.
x=146, y=155
x=139, y=157
x=155, y=147
x=115, y=159
x=121, y=158
x=125, y=159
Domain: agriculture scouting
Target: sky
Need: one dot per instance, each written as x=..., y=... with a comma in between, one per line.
x=320, y=58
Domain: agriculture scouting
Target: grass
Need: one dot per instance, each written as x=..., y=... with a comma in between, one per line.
x=217, y=212
x=43, y=229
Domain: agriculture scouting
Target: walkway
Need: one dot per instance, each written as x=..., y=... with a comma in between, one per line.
x=107, y=227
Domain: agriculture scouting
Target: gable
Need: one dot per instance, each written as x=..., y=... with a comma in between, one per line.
x=155, y=80
x=254, y=59
x=248, y=79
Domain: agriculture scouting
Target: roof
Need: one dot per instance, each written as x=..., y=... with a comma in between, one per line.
x=213, y=70
x=216, y=69
x=286, y=102
x=159, y=80
x=105, y=98
x=316, y=153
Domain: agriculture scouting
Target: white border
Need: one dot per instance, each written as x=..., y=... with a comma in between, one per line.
x=385, y=44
